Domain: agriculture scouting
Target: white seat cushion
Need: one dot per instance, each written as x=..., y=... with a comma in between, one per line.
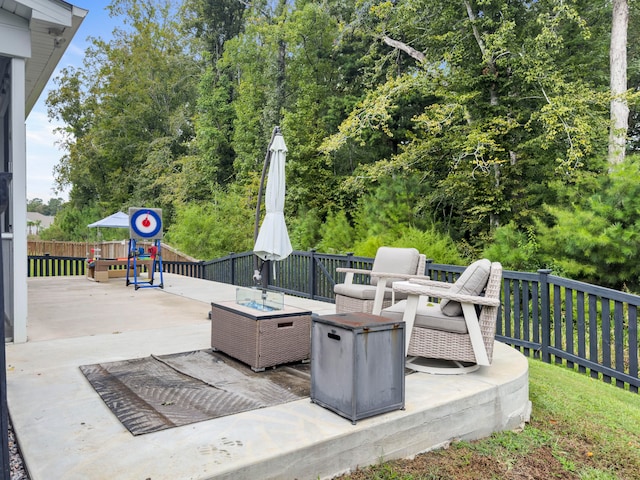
x=364, y=292
x=428, y=315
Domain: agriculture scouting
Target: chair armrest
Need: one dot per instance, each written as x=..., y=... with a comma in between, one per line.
x=350, y=272
x=427, y=282
x=403, y=276
x=438, y=292
x=353, y=270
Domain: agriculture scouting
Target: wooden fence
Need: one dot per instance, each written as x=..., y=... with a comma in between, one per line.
x=112, y=249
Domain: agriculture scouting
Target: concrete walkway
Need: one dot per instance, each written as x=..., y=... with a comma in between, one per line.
x=66, y=432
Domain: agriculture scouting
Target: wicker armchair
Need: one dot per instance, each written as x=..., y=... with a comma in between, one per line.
x=450, y=332
x=390, y=265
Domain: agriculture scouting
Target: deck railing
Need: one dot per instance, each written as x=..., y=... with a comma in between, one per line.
x=585, y=327
x=50, y=266
x=588, y=328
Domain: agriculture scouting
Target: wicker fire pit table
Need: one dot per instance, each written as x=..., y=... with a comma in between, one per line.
x=261, y=339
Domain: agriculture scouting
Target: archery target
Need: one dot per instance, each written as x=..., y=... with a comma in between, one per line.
x=145, y=223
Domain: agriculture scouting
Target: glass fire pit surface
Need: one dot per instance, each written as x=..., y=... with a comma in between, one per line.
x=259, y=299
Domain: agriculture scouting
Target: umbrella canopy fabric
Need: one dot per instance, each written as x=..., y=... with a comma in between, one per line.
x=273, y=239
x=117, y=220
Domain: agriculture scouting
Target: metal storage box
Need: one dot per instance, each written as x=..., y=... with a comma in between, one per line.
x=357, y=364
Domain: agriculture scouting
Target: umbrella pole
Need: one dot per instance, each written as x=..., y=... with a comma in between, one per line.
x=265, y=168
x=265, y=275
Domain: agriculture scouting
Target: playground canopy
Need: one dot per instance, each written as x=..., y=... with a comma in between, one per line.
x=117, y=220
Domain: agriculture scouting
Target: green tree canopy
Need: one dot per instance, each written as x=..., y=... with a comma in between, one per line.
x=470, y=124
x=128, y=113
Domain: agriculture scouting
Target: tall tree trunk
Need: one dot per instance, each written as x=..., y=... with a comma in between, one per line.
x=277, y=101
x=280, y=79
x=486, y=56
x=618, y=80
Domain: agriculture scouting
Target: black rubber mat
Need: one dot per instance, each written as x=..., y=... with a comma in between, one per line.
x=159, y=392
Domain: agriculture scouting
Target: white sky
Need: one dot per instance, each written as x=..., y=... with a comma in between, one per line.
x=42, y=152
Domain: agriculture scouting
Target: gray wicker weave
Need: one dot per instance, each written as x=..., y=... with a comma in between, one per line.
x=367, y=299
x=346, y=304
x=260, y=339
x=440, y=344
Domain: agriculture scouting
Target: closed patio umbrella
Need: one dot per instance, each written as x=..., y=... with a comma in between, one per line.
x=272, y=242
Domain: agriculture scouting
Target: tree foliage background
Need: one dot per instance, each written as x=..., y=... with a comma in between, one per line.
x=466, y=128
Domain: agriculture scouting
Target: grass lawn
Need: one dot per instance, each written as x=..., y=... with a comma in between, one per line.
x=580, y=428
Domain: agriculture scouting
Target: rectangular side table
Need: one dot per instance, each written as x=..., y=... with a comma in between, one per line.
x=260, y=339
x=357, y=364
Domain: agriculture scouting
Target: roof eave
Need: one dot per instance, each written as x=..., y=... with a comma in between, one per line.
x=53, y=25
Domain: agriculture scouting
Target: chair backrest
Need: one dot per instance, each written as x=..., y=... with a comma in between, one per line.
x=489, y=315
x=472, y=282
x=396, y=260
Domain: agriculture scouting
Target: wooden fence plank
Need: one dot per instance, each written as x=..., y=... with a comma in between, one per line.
x=115, y=249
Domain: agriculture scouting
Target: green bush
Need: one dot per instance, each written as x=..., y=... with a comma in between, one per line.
x=436, y=246
x=70, y=225
x=213, y=229
x=514, y=249
x=336, y=233
x=596, y=240
x=304, y=230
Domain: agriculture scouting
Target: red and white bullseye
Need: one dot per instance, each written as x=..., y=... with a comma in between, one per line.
x=146, y=223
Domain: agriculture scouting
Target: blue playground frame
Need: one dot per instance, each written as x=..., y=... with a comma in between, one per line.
x=136, y=254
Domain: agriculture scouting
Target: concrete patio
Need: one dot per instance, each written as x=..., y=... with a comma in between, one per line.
x=66, y=431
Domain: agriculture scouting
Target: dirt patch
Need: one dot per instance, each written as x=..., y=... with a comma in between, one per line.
x=545, y=449
x=461, y=463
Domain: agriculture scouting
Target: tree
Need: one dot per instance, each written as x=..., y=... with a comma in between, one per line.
x=596, y=239
x=33, y=227
x=460, y=116
x=52, y=207
x=506, y=112
x=618, y=65
x=212, y=229
x=128, y=113
x=214, y=23
x=71, y=223
x=35, y=205
x=212, y=155
x=319, y=92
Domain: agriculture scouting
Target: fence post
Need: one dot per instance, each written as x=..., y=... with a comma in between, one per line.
x=349, y=260
x=312, y=273
x=233, y=267
x=427, y=268
x=545, y=313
